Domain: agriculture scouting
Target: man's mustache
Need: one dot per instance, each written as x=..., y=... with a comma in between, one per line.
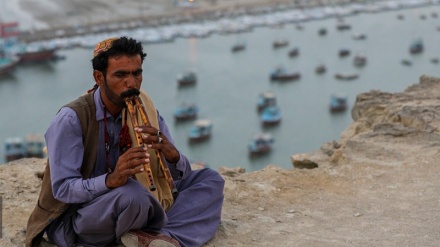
x=130, y=92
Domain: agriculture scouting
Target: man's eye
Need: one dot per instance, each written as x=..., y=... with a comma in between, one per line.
x=138, y=73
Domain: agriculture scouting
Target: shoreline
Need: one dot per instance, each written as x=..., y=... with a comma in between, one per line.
x=298, y=13
x=167, y=27
x=165, y=17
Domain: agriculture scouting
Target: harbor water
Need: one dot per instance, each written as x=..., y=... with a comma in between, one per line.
x=229, y=83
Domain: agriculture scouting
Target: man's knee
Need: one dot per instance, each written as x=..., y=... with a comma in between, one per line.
x=215, y=177
x=131, y=195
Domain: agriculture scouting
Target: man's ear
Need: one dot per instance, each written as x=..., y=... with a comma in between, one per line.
x=99, y=77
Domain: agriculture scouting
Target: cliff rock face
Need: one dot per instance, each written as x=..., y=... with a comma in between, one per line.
x=376, y=186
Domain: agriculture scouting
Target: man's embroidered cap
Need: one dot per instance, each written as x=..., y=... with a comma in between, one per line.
x=103, y=46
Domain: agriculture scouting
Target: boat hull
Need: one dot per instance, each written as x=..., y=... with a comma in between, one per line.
x=346, y=77
x=195, y=139
x=183, y=83
x=259, y=151
x=37, y=56
x=185, y=117
x=286, y=77
x=268, y=123
x=8, y=67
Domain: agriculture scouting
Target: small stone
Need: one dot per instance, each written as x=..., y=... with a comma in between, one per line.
x=357, y=214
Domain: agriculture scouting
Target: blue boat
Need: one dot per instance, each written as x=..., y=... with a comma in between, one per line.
x=416, y=46
x=8, y=64
x=186, y=112
x=200, y=131
x=34, y=146
x=271, y=116
x=338, y=103
x=14, y=148
x=30, y=147
x=260, y=144
x=266, y=99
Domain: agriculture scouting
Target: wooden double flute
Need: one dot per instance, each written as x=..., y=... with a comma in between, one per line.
x=134, y=105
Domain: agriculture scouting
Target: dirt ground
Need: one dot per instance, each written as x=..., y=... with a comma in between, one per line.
x=385, y=204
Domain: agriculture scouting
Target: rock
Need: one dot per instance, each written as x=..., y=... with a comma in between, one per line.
x=303, y=163
x=231, y=172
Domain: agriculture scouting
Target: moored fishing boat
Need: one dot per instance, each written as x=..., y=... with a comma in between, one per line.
x=294, y=52
x=186, y=79
x=346, y=76
x=26, y=52
x=238, y=47
x=341, y=26
x=14, y=148
x=260, y=144
x=280, y=43
x=36, y=54
x=360, y=60
x=34, y=146
x=8, y=64
x=344, y=52
x=186, y=112
x=338, y=103
x=271, y=116
x=359, y=36
x=320, y=69
x=416, y=46
x=280, y=74
x=200, y=131
x=266, y=99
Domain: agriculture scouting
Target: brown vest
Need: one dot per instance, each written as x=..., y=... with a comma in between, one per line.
x=48, y=208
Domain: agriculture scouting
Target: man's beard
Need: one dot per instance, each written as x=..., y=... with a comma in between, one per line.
x=119, y=99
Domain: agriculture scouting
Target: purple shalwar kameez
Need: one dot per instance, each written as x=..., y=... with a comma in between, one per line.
x=99, y=216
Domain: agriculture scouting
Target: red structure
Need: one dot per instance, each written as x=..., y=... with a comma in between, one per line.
x=9, y=30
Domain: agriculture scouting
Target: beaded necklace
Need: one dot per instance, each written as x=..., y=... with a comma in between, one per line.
x=124, y=140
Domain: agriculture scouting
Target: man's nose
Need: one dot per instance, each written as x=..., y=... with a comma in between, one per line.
x=131, y=81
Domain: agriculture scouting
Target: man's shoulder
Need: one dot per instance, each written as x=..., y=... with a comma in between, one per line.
x=85, y=100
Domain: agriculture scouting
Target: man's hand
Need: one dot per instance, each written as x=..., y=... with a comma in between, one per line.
x=129, y=164
x=156, y=140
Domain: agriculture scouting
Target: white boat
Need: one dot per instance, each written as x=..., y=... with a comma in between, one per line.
x=201, y=130
x=359, y=60
x=266, y=99
x=187, y=78
x=359, y=36
x=280, y=43
x=260, y=144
